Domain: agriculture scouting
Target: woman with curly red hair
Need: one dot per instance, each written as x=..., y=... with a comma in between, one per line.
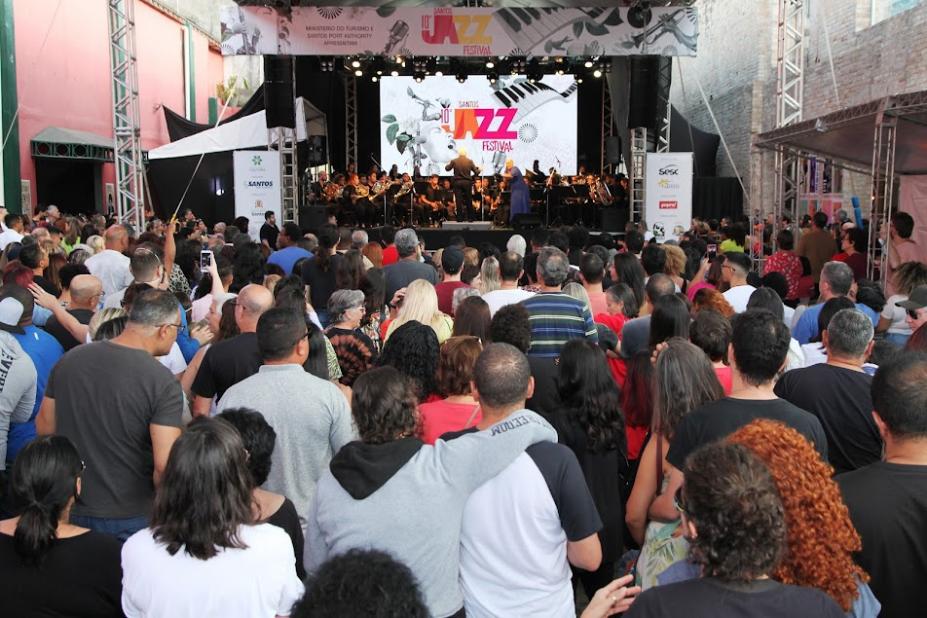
x=821, y=538
x=709, y=298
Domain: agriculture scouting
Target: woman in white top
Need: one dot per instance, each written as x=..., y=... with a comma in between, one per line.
x=203, y=555
x=892, y=321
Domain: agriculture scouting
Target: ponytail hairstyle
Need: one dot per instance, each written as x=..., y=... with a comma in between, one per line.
x=43, y=481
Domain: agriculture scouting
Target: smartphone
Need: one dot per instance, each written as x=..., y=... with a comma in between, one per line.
x=712, y=252
x=205, y=259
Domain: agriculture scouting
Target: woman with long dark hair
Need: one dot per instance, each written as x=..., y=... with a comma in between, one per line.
x=49, y=567
x=472, y=318
x=203, y=537
x=591, y=424
x=670, y=318
x=319, y=272
x=683, y=380
x=628, y=270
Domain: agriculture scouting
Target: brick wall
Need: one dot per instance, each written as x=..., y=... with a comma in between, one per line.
x=736, y=65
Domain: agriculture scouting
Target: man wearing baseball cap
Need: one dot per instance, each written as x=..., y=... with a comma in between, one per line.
x=17, y=373
x=916, y=306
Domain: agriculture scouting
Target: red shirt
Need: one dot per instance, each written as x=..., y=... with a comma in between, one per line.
x=440, y=417
x=390, y=256
x=445, y=292
x=726, y=378
x=788, y=264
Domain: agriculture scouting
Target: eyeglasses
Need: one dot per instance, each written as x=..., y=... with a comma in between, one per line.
x=177, y=326
x=679, y=501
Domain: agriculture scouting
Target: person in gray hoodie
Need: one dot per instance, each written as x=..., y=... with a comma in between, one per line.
x=392, y=492
x=17, y=372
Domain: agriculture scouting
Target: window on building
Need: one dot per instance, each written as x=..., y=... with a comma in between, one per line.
x=884, y=9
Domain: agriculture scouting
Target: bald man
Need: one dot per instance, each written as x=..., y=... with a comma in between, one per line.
x=111, y=266
x=86, y=291
x=231, y=361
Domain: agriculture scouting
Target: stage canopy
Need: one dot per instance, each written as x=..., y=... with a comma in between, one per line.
x=847, y=135
x=247, y=132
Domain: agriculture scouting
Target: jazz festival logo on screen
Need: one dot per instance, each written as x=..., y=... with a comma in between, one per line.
x=443, y=27
x=493, y=126
x=669, y=204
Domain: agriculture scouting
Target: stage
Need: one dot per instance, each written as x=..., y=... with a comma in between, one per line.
x=439, y=238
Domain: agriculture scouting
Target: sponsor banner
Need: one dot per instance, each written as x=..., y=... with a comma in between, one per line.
x=425, y=123
x=668, y=207
x=483, y=31
x=257, y=186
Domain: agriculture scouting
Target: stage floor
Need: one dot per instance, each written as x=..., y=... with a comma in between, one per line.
x=438, y=238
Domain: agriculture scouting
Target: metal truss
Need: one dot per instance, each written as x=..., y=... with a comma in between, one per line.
x=883, y=193
x=608, y=130
x=283, y=140
x=350, y=124
x=664, y=107
x=637, y=171
x=127, y=152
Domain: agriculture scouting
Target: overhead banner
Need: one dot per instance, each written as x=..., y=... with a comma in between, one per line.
x=423, y=124
x=668, y=205
x=446, y=31
x=257, y=186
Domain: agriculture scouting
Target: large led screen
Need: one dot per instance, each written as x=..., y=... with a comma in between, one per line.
x=425, y=123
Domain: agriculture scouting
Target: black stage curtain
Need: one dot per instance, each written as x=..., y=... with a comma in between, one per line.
x=713, y=198
x=705, y=147
x=168, y=178
x=179, y=127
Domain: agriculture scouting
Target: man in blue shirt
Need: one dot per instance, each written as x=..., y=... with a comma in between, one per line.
x=44, y=350
x=288, y=252
x=836, y=281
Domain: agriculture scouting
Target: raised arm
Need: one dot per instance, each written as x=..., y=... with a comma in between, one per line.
x=44, y=299
x=472, y=459
x=170, y=252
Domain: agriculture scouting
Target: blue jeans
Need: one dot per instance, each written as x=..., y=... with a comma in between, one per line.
x=121, y=528
x=897, y=338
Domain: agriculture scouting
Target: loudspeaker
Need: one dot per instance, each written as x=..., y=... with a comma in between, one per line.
x=613, y=150
x=316, y=154
x=279, y=92
x=643, y=108
x=527, y=221
x=481, y=226
x=312, y=217
x=614, y=219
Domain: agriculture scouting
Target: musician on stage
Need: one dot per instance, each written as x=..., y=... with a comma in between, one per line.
x=448, y=201
x=521, y=193
x=480, y=192
x=354, y=199
x=402, y=199
x=464, y=170
x=430, y=201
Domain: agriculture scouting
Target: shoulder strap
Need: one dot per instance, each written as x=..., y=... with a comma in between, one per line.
x=659, y=464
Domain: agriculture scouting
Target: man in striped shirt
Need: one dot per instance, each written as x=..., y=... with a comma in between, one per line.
x=555, y=317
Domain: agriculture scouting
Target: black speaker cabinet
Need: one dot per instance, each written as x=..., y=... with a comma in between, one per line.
x=527, y=221
x=613, y=150
x=279, y=92
x=311, y=218
x=614, y=219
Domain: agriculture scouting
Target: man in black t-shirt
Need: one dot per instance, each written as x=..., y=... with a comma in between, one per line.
x=888, y=499
x=231, y=361
x=733, y=516
x=269, y=231
x=837, y=392
x=759, y=345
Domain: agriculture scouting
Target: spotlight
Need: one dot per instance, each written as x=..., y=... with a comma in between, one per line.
x=394, y=73
x=597, y=73
x=461, y=78
x=355, y=63
x=492, y=77
x=579, y=79
x=588, y=64
x=379, y=71
x=374, y=79
x=419, y=76
x=559, y=71
x=358, y=73
x=490, y=64
x=439, y=73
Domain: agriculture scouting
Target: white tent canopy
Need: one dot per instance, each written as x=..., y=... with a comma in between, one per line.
x=247, y=132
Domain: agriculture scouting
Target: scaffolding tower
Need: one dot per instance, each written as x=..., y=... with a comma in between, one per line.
x=790, y=71
x=127, y=151
x=283, y=140
x=608, y=130
x=637, y=169
x=350, y=124
x=664, y=107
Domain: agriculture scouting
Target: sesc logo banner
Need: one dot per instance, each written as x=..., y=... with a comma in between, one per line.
x=668, y=170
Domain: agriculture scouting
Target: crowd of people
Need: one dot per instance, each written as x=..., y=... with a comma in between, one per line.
x=317, y=423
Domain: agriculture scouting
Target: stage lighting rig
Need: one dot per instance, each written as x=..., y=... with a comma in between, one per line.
x=490, y=64
x=597, y=73
x=355, y=63
x=588, y=64
x=327, y=64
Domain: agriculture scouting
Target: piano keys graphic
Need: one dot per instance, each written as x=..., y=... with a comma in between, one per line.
x=530, y=27
x=528, y=97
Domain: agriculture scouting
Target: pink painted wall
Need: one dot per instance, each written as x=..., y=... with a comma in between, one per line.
x=67, y=83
